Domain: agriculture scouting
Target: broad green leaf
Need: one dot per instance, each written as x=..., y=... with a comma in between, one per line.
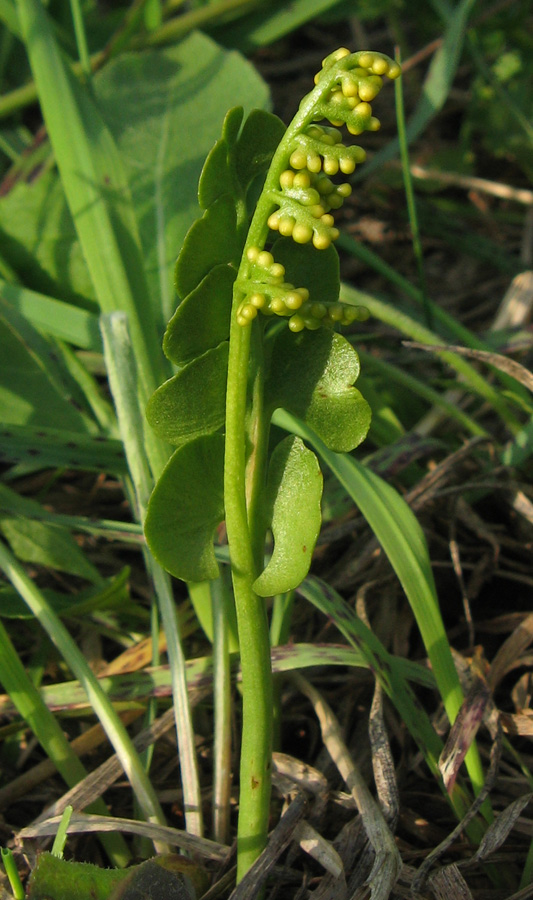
x=165, y=877
x=186, y=507
x=211, y=241
x=193, y=402
x=292, y=505
x=258, y=140
x=202, y=319
x=52, y=447
x=311, y=375
x=39, y=240
x=165, y=109
x=316, y=270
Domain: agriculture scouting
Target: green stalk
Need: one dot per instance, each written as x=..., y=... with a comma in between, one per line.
x=81, y=39
x=251, y=615
x=12, y=874
x=280, y=627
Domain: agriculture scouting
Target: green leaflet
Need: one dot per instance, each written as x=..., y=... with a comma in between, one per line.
x=311, y=376
x=235, y=160
x=201, y=321
x=193, y=402
x=210, y=241
x=259, y=138
x=292, y=506
x=216, y=178
x=186, y=507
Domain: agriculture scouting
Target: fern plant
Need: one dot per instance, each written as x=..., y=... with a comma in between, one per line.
x=258, y=278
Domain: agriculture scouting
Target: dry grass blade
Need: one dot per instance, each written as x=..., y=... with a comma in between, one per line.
x=387, y=863
x=510, y=650
x=517, y=303
x=499, y=831
x=83, y=824
x=100, y=779
x=463, y=732
x=495, y=755
x=503, y=363
x=85, y=743
x=382, y=761
x=319, y=848
x=448, y=882
x=306, y=777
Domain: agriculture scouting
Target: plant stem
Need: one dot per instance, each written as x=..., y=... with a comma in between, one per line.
x=81, y=39
x=251, y=615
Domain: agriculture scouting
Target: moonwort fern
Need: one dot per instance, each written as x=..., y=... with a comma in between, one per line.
x=254, y=331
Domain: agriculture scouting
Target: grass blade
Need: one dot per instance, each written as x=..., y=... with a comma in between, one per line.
x=55, y=317
x=54, y=447
x=387, y=313
x=122, y=372
x=136, y=687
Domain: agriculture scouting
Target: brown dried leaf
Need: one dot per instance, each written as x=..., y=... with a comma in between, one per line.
x=499, y=831
x=463, y=732
x=448, y=882
x=387, y=862
x=510, y=650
